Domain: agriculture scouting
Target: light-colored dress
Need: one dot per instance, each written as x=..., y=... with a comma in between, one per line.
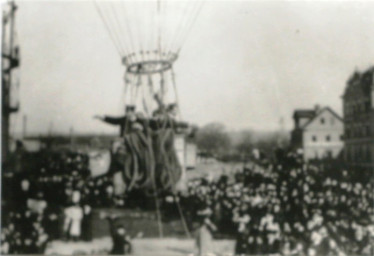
x=73, y=216
x=204, y=240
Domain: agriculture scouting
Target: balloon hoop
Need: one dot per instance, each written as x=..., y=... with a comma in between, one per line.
x=149, y=66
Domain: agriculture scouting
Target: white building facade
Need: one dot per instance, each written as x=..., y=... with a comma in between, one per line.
x=321, y=136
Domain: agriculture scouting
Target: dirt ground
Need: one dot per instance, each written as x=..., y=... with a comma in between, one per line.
x=145, y=246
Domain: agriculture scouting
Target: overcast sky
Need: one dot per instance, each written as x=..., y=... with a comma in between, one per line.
x=245, y=64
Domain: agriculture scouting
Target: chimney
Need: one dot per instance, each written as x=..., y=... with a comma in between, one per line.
x=316, y=108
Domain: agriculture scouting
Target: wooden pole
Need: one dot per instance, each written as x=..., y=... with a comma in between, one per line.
x=71, y=137
x=7, y=109
x=24, y=127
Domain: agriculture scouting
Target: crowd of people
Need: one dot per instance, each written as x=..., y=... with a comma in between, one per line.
x=53, y=201
x=289, y=207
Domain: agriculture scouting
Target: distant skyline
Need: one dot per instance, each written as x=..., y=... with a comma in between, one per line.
x=245, y=64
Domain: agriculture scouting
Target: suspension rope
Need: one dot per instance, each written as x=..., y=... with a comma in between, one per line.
x=127, y=81
x=126, y=46
x=183, y=219
x=132, y=87
x=140, y=39
x=162, y=27
x=159, y=28
x=129, y=31
x=176, y=93
x=162, y=86
x=191, y=26
x=150, y=83
x=107, y=29
x=186, y=21
x=158, y=212
x=145, y=106
x=179, y=27
x=186, y=229
x=165, y=28
x=138, y=84
x=111, y=20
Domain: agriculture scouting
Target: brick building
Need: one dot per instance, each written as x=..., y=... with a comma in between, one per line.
x=318, y=132
x=358, y=109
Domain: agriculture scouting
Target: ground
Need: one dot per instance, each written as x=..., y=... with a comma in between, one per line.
x=144, y=246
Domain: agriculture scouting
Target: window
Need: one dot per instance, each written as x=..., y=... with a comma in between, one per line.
x=328, y=138
x=322, y=120
x=314, y=138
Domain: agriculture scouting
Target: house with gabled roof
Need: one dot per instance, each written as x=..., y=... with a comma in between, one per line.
x=318, y=133
x=358, y=109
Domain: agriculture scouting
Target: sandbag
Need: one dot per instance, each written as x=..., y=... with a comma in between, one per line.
x=149, y=160
x=168, y=170
x=139, y=166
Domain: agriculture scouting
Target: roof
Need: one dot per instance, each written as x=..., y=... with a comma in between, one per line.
x=320, y=112
x=360, y=81
x=300, y=113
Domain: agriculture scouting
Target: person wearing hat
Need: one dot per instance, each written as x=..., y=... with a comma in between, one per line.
x=125, y=122
x=121, y=240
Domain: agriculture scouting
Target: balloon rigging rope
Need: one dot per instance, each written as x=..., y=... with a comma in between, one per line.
x=111, y=20
x=191, y=26
x=176, y=93
x=106, y=25
x=183, y=219
x=188, y=13
x=159, y=28
x=125, y=45
x=179, y=27
x=152, y=37
x=132, y=47
x=138, y=84
x=144, y=101
x=120, y=28
x=140, y=39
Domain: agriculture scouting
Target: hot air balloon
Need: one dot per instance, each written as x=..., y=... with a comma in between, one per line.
x=148, y=36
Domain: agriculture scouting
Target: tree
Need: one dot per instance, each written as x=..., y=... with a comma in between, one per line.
x=246, y=144
x=213, y=139
x=270, y=143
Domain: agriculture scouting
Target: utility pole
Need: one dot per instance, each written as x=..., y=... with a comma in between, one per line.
x=10, y=60
x=281, y=132
x=24, y=127
x=71, y=137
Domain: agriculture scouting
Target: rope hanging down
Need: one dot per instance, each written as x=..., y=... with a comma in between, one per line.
x=108, y=30
x=148, y=31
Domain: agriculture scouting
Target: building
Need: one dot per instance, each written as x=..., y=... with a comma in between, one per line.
x=186, y=152
x=318, y=133
x=358, y=109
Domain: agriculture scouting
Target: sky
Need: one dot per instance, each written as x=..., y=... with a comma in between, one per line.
x=245, y=64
